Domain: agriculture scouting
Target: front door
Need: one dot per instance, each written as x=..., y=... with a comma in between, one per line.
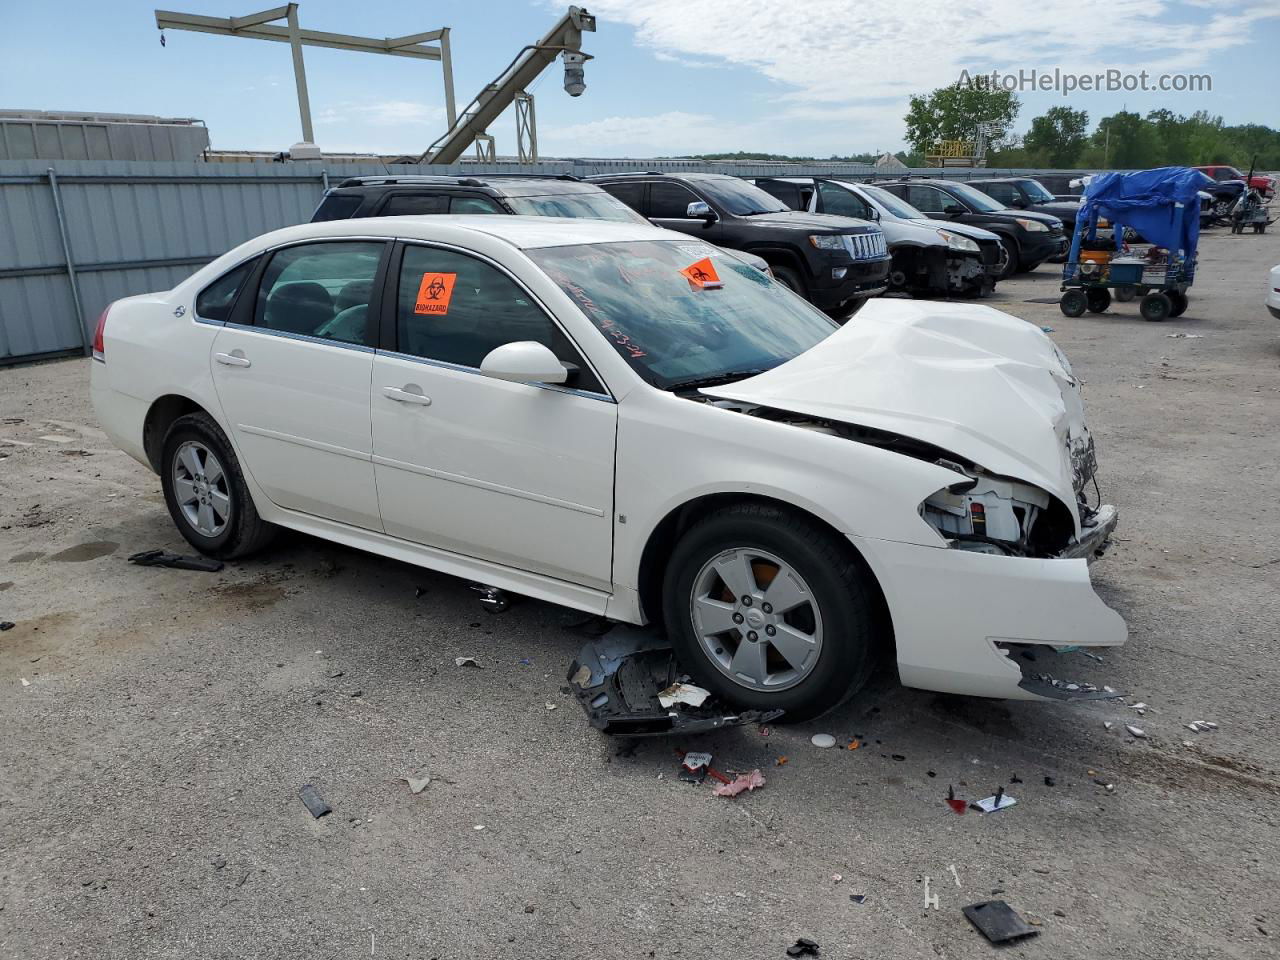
x=669, y=208
x=513, y=473
x=292, y=372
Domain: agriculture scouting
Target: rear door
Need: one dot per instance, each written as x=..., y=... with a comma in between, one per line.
x=292, y=369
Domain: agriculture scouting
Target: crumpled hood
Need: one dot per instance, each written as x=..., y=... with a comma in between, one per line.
x=974, y=381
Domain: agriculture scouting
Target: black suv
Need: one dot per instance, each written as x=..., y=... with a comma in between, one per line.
x=1029, y=238
x=835, y=263
x=1024, y=193
x=538, y=196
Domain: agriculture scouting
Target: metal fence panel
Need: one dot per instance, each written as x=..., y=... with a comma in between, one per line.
x=135, y=227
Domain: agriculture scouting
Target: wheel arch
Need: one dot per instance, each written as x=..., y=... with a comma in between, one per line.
x=663, y=537
x=160, y=416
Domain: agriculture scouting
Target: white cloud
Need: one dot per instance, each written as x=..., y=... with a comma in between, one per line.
x=853, y=54
x=383, y=113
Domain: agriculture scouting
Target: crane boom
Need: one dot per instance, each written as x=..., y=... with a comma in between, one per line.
x=563, y=38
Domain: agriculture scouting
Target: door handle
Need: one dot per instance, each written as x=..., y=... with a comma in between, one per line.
x=231, y=360
x=405, y=396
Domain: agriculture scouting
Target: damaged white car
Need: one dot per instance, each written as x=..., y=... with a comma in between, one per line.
x=629, y=422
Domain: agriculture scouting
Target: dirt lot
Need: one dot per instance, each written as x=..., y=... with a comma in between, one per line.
x=157, y=725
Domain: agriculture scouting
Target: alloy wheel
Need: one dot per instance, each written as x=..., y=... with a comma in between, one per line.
x=200, y=488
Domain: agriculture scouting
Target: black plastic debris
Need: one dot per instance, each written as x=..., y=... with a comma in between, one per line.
x=163, y=558
x=7, y=625
x=315, y=803
x=617, y=680
x=998, y=922
x=858, y=897
x=803, y=947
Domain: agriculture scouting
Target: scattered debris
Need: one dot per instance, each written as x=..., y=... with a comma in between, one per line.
x=6, y=625
x=1185, y=336
x=468, y=662
x=954, y=802
x=1199, y=726
x=998, y=922
x=26, y=682
x=618, y=678
x=1000, y=801
x=478, y=826
x=493, y=599
x=1137, y=706
x=1059, y=913
x=163, y=558
x=837, y=877
x=683, y=692
x=1050, y=782
x=853, y=745
x=550, y=706
x=315, y=803
x=1047, y=329
x=1136, y=732
x=1107, y=724
x=858, y=897
x=781, y=761
x=1109, y=787
x=694, y=767
x=823, y=740
x=898, y=756
x=743, y=782
x=416, y=784
x=803, y=948
x=764, y=730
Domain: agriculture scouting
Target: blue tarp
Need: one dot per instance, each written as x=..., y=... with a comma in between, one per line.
x=1163, y=205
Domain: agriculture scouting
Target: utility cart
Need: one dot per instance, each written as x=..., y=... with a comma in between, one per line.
x=1164, y=207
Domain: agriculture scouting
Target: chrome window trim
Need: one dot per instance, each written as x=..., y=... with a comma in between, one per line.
x=287, y=335
x=550, y=315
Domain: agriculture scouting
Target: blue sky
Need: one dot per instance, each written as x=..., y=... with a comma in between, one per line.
x=670, y=76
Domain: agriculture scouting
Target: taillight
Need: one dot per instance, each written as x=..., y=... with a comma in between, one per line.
x=99, y=350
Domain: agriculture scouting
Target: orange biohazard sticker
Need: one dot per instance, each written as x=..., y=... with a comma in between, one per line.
x=703, y=274
x=434, y=293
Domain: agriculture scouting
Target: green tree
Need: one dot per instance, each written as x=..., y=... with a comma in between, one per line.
x=954, y=112
x=1125, y=141
x=1059, y=134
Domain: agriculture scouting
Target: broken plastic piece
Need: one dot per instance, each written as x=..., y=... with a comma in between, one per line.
x=467, y=662
x=416, y=784
x=617, y=680
x=6, y=625
x=858, y=897
x=823, y=740
x=683, y=693
x=315, y=803
x=493, y=599
x=803, y=947
x=743, y=782
x=998, y=922
x=954, y=802
x=162, y=558
x=1136, y=731
x=1000, y=801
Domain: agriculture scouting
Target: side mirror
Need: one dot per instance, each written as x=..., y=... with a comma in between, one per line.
x=954, y=210
x=700, y=210
x=525, y=361
x=875, y=214
x=1018, y=202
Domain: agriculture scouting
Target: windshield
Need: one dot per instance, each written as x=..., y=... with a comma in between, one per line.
x=895, y=205
x=1037, y=192
x=976, y=198
x=672, y=332
x=740, y=198
x=589, y=206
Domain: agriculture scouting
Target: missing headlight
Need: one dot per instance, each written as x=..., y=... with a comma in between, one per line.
x=990, y=515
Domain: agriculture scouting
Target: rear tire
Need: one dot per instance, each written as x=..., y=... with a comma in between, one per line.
x=815, y=658
x=1156, y=307
x=1073, y=303
x=1180, y=303
x=205, y=491
x=1098, y=299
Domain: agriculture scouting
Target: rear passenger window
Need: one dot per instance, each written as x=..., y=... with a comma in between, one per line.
x=670, y=201
x=320, y=290
x=842, y=202
x=455, y=308
x=410, y=204
x=1004, y=193
x=632, y=194
x=215, y=301
x=473, y=205
x=336, y=206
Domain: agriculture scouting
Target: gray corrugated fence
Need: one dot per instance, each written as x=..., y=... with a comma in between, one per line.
x=132, y=227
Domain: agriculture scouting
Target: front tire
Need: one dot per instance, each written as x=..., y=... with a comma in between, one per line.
x=205, y=491
x=790, y=279
x=1011, y=257
x=769, y=610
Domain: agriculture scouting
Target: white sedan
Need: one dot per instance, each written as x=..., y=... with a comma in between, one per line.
x=1273, y=293
x=631, y=422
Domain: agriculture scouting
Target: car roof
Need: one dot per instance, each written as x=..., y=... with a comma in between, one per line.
x=509, y=185
x=661, y=174
x=525, y=233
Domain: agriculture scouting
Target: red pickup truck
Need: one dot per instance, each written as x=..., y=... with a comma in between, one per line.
x=1260, y=181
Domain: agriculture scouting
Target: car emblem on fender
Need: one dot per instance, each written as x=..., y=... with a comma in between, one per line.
x=179, y=311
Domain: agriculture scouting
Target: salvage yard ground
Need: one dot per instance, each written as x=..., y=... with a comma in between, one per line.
x=157, y=725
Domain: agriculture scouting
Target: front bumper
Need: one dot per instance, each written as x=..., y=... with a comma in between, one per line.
x=1037, y=248
x=863, y=278
x=1275, y=311
x=951, y=609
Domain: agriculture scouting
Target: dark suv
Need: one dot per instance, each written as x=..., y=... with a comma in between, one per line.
x=397, y=196
x=1024, y=193
x=1029, y=238
x=835, y=263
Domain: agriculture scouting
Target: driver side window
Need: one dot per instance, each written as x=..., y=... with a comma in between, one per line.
x=928, y=199
x=842, y=202
x=455, y=308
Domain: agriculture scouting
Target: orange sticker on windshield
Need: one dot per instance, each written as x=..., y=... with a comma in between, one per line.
x=434, y=293
x=703, y=274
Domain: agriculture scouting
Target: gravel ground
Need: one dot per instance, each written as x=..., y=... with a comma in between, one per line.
x=157, y=725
